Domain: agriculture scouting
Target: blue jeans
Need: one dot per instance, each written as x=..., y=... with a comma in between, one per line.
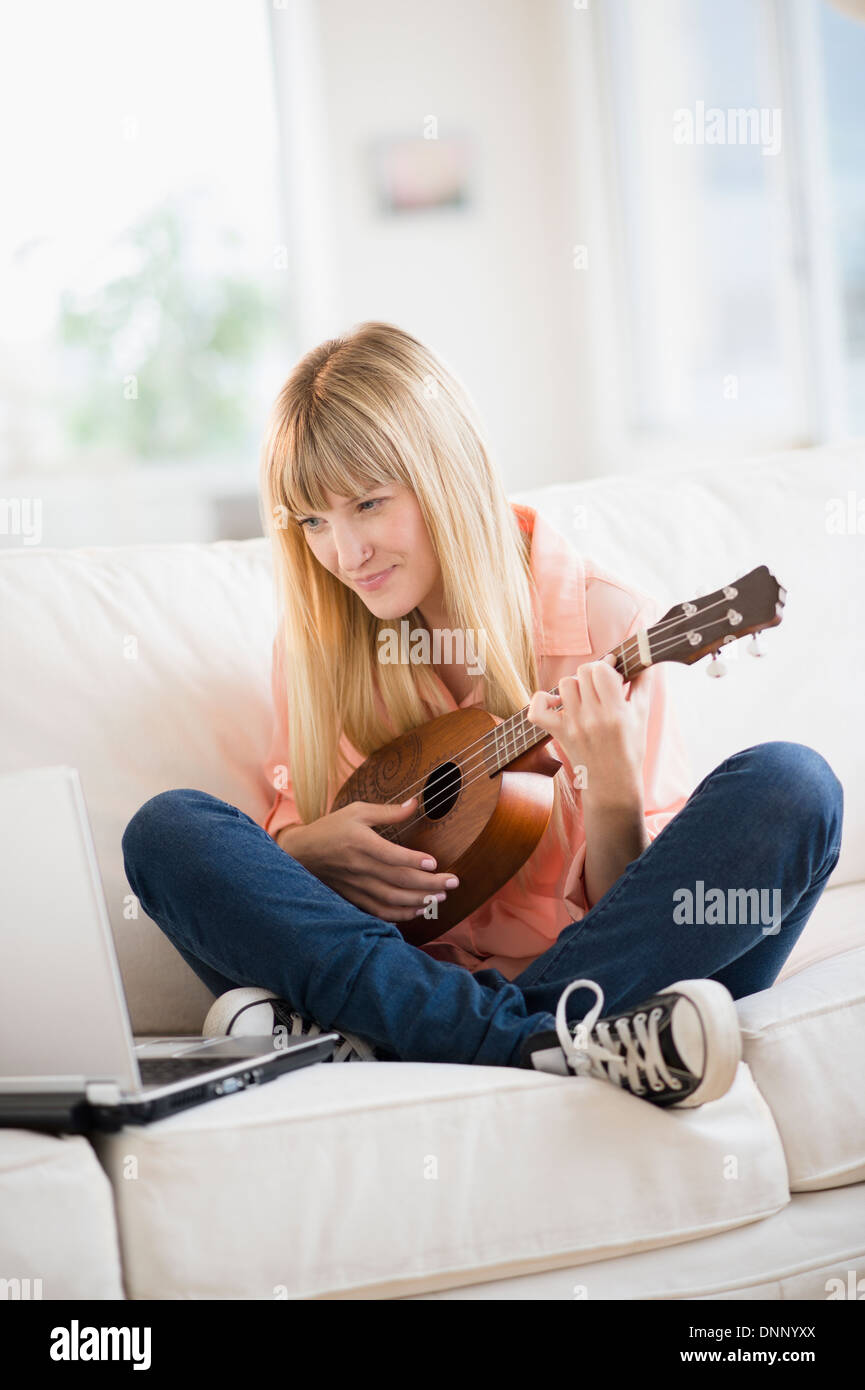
x=241, y=911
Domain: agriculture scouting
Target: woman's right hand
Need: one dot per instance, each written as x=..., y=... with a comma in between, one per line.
x=378, y=876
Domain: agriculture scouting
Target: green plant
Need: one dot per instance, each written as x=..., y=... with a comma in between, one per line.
x=161, y=358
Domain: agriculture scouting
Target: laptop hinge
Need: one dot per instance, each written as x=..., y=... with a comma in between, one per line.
x=102, y=1092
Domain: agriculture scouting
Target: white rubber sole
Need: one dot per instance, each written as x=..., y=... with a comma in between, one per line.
x=226, y=1012
x=721, y=1035
x=247, y=1010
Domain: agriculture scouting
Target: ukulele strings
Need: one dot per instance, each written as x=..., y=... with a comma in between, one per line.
x=392, y=832
x=488, y=762
x=633, y=646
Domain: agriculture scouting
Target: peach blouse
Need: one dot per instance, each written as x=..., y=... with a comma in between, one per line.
x=586, y=611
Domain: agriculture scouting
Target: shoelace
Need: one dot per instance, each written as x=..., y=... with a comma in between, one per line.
x=634, y=1054
x=351, y=1049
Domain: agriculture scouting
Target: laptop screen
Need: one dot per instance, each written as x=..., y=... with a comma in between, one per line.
x=63, y=1015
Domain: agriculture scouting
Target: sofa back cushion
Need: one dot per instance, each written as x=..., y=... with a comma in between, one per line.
x=148, y=667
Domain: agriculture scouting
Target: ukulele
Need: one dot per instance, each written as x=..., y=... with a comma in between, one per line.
x=484, y=784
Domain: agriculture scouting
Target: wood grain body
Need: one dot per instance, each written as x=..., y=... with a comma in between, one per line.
x=491, y=823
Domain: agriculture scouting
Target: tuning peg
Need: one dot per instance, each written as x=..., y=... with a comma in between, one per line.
x=716, y=666
x=755, y=646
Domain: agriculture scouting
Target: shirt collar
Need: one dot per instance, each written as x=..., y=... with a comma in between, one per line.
x=560, y=587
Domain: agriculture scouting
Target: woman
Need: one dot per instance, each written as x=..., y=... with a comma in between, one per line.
x=374, y=469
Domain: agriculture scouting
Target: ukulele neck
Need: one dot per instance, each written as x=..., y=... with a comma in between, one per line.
x=686, y=633
x=517, y=734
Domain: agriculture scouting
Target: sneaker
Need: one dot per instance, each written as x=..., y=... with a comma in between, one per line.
x=681, y=1046
x=252, y=1011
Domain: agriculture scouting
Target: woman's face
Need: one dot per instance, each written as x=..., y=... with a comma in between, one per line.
x=382, y=531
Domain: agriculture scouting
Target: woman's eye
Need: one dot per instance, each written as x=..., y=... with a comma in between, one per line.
x=368, y=502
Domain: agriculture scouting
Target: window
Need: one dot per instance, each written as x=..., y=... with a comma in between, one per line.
x=143, y=293
x=842, y=56
x=731, y=126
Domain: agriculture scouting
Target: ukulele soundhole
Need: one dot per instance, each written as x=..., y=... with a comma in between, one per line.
x=441, y=790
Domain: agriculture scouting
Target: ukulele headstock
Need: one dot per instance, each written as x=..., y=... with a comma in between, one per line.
x=689, y=631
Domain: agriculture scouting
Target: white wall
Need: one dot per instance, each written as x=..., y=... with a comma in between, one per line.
x=492, y=288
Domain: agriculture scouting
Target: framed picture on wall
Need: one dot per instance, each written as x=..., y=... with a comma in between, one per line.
x=413, y=174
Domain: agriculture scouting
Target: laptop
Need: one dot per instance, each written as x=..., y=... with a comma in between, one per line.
x=68, y=1059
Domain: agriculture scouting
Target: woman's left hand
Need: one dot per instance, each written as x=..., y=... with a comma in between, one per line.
x=600, y=730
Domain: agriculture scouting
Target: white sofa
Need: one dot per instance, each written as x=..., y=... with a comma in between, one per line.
x=147, y=667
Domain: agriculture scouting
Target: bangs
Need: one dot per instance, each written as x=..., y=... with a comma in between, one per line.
x=343, y=453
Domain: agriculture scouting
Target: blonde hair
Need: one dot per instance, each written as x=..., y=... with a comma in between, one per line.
x=367, y=408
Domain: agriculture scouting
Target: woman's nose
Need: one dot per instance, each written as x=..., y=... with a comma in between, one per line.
x=352, y=553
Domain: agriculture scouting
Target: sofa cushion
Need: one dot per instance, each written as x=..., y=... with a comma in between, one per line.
x=802, y=1040
x=836, y=925
x=58, y=1237
x=148, y=666
x=377, y=1179
x=813, y=1249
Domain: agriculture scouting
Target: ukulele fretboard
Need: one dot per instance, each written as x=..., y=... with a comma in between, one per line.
x=517, y=734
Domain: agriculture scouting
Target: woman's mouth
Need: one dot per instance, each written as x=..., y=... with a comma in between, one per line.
x=376, y=580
